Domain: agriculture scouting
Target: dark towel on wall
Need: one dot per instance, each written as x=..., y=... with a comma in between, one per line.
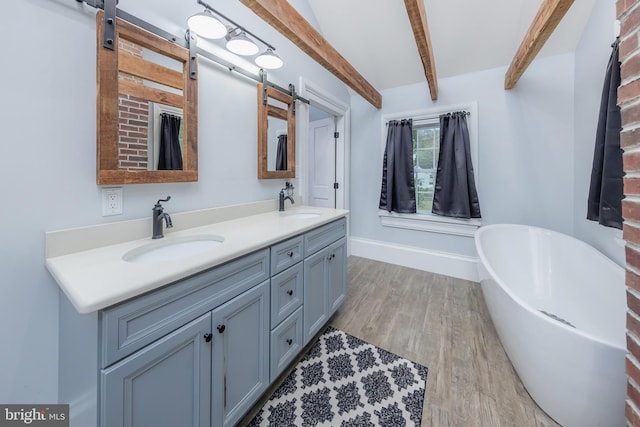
x=281, y=153
x=606, y=189
x=170, y=156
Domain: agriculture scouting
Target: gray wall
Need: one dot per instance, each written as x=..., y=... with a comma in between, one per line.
x=592, y=56
x=525, y=139
x=48, y=119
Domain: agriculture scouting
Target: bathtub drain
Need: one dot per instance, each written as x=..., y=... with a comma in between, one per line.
x=554, y=317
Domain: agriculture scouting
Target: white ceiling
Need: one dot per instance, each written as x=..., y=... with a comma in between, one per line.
x=375, y=36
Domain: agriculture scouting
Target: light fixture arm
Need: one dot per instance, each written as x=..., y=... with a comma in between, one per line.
x=235, y=24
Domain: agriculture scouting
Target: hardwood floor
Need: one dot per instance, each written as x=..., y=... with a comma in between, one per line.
x=442, y=323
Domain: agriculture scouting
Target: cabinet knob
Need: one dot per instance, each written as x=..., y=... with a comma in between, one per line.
x=221, y=328
x=208, y=337
x=289, y=341
x=290, y=292
x=290, y=254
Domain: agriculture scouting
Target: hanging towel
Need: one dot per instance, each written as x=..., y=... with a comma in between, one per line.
x=281, y=154
x=170, y=157
x=606, y=189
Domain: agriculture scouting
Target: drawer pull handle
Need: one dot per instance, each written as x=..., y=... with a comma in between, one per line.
x=208, y=337
x=221, y=328
x=290, y=254
x=290, y=292
x=289, y=341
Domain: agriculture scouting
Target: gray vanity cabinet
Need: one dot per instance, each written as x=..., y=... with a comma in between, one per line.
x=324, y=275
x=165, y=384
x=201, y=351
x=195, y=353
x=240, y=354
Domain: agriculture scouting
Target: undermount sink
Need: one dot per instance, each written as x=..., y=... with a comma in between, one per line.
x=173, y=248
x=301, y=214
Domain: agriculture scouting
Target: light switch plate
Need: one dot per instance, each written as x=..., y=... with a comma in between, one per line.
x=112, y=201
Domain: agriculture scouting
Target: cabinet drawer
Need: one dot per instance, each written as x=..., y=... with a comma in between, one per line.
x=132, y=325
x=285, y=254
x=324, y=236
x=286, y=293
x=286, y=343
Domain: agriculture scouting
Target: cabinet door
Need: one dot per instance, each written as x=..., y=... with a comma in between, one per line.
x=315, y=311
x=240, y=354
x=167, y=383
x=337, y=275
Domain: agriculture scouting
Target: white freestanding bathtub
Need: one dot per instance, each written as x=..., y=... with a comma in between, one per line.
x=559, y=308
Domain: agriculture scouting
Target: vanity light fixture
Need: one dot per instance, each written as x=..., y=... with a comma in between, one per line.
x=240, y=44
x=206, y=25
x=269, y=60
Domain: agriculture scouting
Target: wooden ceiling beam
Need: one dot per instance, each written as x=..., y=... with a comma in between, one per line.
x=284, y=18
x=545, y=22
x=418, y=19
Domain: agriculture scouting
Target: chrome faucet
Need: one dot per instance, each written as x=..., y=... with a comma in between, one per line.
x=289, y=188
x=158, y=215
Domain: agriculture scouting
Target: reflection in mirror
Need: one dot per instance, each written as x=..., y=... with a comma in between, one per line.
x=276, y=144
x=147, y=109
x=276, y=134
x=150, y=133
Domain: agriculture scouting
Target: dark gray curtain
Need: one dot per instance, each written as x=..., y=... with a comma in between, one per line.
x=281, y=154
x=170, y=157
x=398, y=192
x=606, y=189
x=455, y=192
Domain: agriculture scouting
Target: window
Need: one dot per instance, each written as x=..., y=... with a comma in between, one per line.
x=426, y=144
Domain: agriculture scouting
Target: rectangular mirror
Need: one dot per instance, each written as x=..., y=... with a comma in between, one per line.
x=276, y=134
x=147, y=109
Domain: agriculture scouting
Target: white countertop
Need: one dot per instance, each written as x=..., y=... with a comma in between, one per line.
x=98, y=278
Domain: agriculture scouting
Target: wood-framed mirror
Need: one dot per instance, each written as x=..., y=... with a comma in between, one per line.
x=276, y=134
x=147, y=107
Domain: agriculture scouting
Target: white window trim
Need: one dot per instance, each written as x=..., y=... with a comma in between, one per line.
x=431, y=222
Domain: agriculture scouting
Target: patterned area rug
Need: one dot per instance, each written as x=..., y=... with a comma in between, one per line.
x=345, y=381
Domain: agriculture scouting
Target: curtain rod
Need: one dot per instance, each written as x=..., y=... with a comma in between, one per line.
x=466, y=113
x=183, y=42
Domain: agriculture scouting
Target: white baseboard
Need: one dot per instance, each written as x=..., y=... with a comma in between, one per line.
x=459, y=266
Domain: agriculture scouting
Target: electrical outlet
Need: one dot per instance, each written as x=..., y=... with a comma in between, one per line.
x=112, y=201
